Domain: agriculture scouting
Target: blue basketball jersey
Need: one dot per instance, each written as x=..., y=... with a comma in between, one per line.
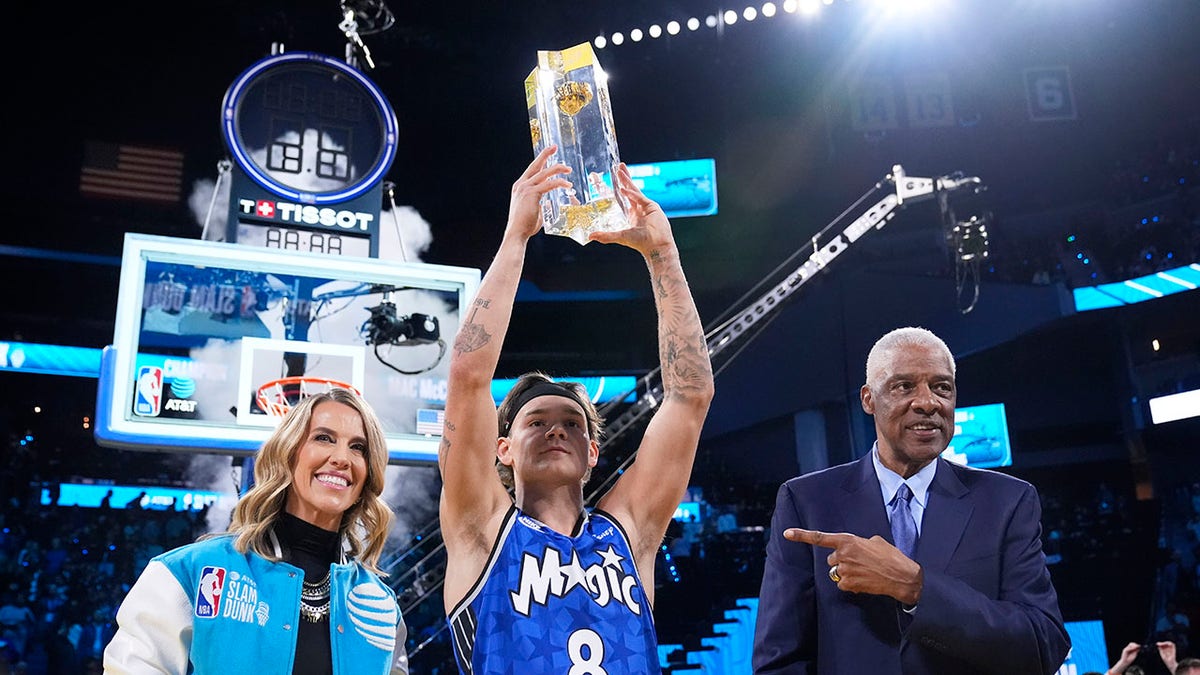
x=549, y=603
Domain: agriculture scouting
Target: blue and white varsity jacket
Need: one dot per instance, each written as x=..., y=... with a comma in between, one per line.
x=206, y=608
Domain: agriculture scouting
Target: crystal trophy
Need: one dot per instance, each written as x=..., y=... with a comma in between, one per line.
x=567, y=95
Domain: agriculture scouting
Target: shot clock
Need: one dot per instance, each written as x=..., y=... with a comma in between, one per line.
x=311, y=139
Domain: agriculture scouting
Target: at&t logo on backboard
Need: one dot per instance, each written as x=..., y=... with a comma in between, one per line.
x=208, y=593
x=147, y=397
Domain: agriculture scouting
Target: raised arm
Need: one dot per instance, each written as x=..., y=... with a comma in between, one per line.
x=473, y=498
x=648, y=493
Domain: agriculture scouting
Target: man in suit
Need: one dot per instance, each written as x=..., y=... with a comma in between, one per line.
x=902, y=562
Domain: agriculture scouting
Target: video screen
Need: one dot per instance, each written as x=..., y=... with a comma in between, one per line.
x=980, y=437
x=1088, y=651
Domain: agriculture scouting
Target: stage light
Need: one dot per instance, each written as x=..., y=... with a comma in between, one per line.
x=711, y=20
x=730, y=17
x=655, y=31
x=693, y=23
x=750, y=13
x=768, y=9
x=673, y=27
x=809, y=7
x=789, y=6
x=1175, y=406
x=636, y=35
x=617, y=39
x=600, y=42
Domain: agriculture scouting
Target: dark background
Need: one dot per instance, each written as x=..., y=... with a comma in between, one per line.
x=768, y=100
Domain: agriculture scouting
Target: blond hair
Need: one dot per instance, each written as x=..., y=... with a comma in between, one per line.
x=364, y=525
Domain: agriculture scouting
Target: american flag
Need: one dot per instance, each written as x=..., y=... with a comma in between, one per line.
x=120, y=171
x=430, y=421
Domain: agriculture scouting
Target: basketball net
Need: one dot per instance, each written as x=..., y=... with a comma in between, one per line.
x=277, y=397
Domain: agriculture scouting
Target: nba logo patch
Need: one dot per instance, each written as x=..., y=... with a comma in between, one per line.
x=147, y=397
x=208, y=592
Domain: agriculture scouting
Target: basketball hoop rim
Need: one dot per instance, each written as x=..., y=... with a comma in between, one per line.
x=284, y=388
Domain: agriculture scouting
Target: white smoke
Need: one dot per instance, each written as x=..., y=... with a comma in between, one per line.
x=219, y=474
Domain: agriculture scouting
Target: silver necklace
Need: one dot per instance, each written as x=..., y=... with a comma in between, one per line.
x=314, y=600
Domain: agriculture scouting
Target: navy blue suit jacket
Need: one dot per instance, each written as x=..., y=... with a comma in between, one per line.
x=987, y=605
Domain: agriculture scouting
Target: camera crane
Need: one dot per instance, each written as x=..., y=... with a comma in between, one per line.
x=733, y=331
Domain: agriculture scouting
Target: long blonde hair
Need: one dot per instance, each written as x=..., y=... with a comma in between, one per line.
x=364, y=525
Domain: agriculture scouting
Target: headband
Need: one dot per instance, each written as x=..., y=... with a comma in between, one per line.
x=538, y=390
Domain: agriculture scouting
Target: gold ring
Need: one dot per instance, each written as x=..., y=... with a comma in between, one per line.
x=833, y=574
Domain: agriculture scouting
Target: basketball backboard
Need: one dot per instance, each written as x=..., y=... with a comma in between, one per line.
x=202, y=327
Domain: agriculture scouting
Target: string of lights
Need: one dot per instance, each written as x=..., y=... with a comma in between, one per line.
x=717, y=20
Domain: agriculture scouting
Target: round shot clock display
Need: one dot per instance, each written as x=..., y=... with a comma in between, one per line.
x=309, y=129
x=311, y=138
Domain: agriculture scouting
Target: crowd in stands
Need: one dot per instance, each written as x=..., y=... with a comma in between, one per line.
x=64, y=569
x=1177, y=602
x=1147, y=222
x=1165, y=166
x=1168, y=646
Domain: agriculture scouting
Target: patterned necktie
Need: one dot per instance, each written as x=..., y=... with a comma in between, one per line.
x=904, y=527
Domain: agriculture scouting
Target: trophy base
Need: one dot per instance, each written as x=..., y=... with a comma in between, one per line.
x=578, y=221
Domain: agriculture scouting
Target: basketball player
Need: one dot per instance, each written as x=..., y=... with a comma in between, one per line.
x=535, y=582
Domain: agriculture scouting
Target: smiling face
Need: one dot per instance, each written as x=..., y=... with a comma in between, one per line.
x=330, y=467
x=549, y=439
x=913, y=405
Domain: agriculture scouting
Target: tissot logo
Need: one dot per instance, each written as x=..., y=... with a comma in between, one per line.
x=307, y=215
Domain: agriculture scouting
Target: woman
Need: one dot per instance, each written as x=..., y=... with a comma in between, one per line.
x=293, y=585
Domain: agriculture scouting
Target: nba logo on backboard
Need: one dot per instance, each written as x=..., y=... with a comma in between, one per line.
x=148, y=393
x=208, y=595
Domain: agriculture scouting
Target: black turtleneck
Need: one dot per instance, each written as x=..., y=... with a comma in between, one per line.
x=313, y=550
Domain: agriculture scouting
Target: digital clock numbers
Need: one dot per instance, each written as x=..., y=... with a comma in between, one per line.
x=297, y=239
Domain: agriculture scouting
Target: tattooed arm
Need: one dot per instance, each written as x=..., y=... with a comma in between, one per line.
x=646, y=495
x=473, y=501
